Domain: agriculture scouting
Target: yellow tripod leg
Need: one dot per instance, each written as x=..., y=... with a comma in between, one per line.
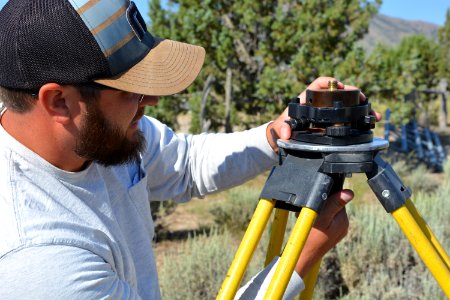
x=310, y=282
x=246, y=248
x=424, y=248
x=276, y=234
x=427, y=230
x=291, y=253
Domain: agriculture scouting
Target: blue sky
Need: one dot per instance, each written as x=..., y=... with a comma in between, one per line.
x=432, y=11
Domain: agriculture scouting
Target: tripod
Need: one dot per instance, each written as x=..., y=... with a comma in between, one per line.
x=313, y=166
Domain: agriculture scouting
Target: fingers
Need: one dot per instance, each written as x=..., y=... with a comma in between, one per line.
x=377, y=115
x=322, y=83
x=337, y=201
x=319, y=83
x=334, y=204
x=340, y=221
x=330, y=227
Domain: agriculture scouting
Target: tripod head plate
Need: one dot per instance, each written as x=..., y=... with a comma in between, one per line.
x=376, y=145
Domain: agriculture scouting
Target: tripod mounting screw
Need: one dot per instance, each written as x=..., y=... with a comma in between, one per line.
x=386, y=193
x=332, y=85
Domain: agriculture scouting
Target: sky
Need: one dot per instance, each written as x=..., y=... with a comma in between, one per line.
x=432, y=11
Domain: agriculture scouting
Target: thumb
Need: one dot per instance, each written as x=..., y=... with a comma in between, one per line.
x=278, y=129
x=285, y=131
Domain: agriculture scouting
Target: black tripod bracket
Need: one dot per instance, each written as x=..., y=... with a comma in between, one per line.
x=387, y=186
x=298, y=182
x=308, y=173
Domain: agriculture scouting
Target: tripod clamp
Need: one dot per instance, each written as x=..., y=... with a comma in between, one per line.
x=308, y=173
x=387, y=186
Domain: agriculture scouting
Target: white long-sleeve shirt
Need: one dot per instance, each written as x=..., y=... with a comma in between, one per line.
x=88, y=234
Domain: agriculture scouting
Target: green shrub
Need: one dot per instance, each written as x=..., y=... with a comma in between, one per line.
x=421, y=180
x=417, y=177
x=237, y=210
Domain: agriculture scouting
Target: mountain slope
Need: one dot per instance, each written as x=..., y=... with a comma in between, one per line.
x=390, y=31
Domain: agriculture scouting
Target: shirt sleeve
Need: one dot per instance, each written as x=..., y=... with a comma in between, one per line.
x=183, y=166
x=256, y=288
x=60, y=272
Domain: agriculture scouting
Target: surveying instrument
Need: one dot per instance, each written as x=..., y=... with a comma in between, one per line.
x=331, y=139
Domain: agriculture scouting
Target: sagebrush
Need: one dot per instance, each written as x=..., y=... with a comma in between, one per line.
x=375, y=259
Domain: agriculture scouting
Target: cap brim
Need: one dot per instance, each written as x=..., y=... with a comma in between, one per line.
x=169, y=68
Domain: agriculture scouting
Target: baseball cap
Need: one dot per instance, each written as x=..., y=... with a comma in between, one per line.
x=80, y=41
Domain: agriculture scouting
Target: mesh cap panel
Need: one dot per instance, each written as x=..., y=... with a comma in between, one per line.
x=57, y=47
x=77, y=41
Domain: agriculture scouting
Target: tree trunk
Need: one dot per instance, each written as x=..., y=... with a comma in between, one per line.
x=204, y=124
x=241, y=50
x=443, y=113
x=228, y=96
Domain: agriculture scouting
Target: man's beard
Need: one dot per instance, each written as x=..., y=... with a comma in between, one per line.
x=104, y=142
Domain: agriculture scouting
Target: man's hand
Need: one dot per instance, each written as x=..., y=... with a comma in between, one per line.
x=279, y=129
x=329, y=228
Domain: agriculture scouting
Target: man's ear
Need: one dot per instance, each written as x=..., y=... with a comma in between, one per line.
x=55, y=100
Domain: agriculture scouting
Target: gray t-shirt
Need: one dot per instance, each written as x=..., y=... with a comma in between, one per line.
x=88, y=234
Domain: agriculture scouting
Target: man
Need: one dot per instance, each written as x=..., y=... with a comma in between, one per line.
x=80, y=162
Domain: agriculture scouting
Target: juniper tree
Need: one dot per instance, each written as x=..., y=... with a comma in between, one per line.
x=394, y=73
x=262, y=53
x=444, y=42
